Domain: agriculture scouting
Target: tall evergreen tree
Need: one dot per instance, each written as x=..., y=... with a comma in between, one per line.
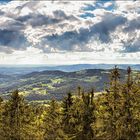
x=15, y=118
x=66, y=106
x=52, y=123
x=88, y=117
x=109, y=106
x=113, y=99
x=130, y=127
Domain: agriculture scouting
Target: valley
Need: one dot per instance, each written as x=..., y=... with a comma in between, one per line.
x=49, y=84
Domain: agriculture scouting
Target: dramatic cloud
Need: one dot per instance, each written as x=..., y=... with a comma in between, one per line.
x=133, y=25
x=12, y=40
x=71, y=39
x=132, y=46
x=63, y=28
x=37, y=19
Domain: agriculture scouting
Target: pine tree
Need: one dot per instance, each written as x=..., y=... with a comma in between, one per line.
x=15, y=118
x=52, y=123
x=88, y=117
x=80, y=116
x=118, y=109
x=37, y=113
x=130, y=127
x=66, y=106
x=113, y=99
x=109, y=109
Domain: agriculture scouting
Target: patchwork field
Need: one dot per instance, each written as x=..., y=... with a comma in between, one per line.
x=45, y=85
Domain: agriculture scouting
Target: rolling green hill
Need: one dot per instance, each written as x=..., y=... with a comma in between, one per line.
x=55, y=84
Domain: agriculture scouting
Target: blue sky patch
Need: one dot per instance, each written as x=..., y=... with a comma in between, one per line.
x=100, y=5
x=87, y=15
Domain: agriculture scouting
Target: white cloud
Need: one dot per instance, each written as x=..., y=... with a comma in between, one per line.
x=107, y=4
x=46, y=32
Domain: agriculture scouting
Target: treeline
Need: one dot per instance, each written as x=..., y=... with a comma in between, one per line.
x=112, y=115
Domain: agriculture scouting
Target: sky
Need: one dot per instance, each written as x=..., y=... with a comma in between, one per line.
x=70, y=32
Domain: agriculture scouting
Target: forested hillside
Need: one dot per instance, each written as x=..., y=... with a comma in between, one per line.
x=112, y=115
x=44, y=85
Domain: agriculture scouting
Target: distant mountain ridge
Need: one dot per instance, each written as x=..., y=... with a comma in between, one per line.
x=48, y=84
x=11, y=69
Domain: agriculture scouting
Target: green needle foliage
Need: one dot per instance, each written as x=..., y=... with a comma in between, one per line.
x=53, y=128
x=112, y=115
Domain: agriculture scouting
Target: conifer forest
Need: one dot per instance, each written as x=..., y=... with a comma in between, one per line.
x=112, y=115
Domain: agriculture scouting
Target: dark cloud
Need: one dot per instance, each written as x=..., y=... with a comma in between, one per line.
x=36, y=19
x=1, y=13
x=132, y=46
x=68, y=40
x=14, y=26
x=132, y=25
x=59, y=14
x=14, y=40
